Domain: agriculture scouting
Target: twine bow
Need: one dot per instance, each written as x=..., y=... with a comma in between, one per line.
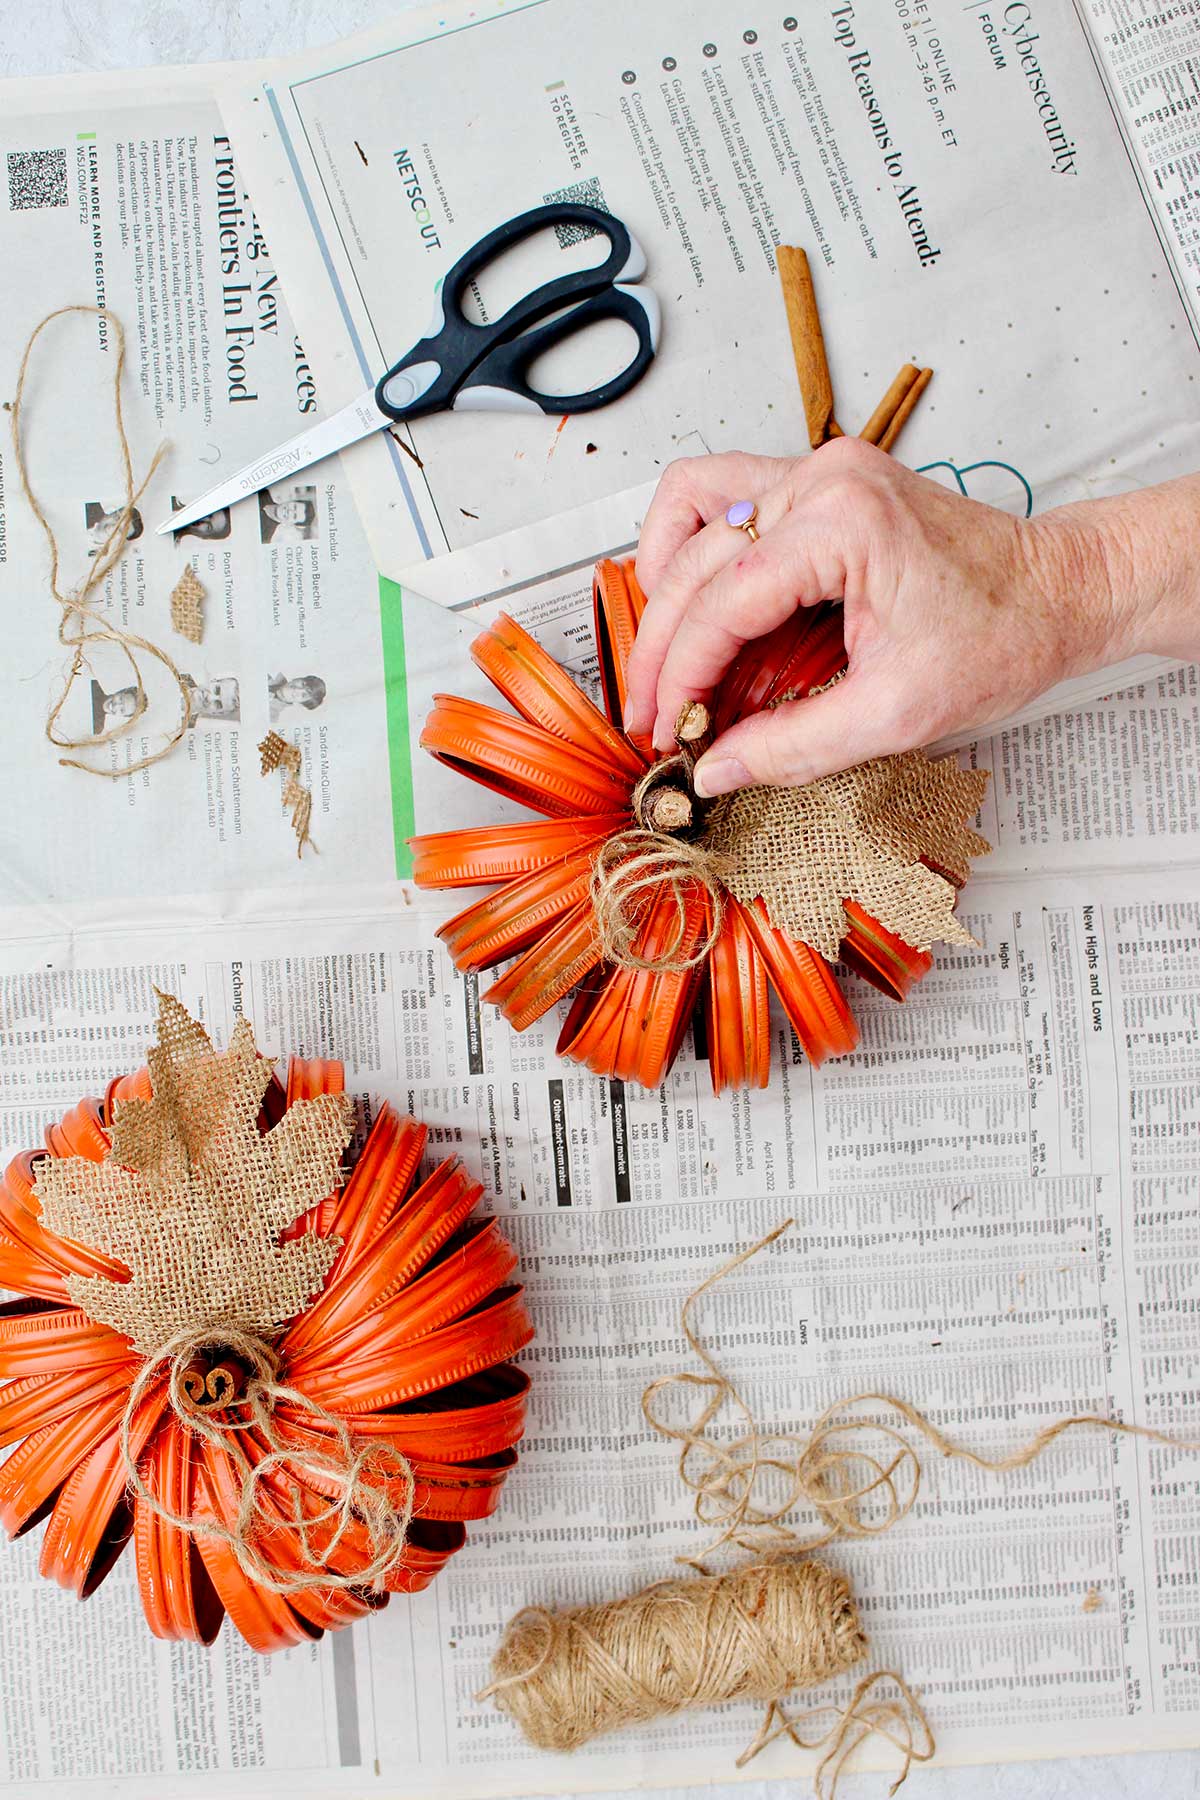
x=368, y=1484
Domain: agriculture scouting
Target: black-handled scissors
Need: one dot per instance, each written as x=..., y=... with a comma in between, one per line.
x=463, y=366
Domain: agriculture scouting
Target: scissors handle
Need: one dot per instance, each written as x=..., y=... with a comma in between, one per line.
x=500, y=382
x=429, y=377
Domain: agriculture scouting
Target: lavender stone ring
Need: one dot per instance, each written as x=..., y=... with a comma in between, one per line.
x=741, y=516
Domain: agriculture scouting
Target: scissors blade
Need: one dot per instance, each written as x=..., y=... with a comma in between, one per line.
x=355, y=421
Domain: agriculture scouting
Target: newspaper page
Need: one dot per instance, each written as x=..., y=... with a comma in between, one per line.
x=1148, y=57
x=994, y=1215
x=994, y=1196
x=954, y=171
x=126, y=194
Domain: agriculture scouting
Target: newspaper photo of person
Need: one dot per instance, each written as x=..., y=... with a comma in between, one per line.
x=115, y=708
x=296, y=690
x=101, y=522
x=214, y=529
x=217, y=698
x=289, y=516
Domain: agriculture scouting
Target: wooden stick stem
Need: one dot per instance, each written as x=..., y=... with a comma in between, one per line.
x=665, y=799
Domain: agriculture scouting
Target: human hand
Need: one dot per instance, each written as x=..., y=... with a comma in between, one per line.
x=955, y=613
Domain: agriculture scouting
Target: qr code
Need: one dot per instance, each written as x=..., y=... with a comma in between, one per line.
x=588, y=193
x=37, y=178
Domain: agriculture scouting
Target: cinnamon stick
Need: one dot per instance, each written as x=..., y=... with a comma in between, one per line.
x=808, y=344
x=901, y=414
x=884, y=413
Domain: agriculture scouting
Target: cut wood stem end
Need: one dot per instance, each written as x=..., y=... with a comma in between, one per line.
x=694, y=734
x=668, y=809
x=665, y=799
x=694, y=724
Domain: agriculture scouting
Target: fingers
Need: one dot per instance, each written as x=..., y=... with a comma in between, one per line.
x=680, y=549
x=804, y=739
x=806, y=557
x=691, y=492
x=718, y=551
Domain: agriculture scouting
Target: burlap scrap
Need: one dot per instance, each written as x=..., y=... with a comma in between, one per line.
x=860, y=835
x=277, y=753
x=193, y=1197
x=187, y=601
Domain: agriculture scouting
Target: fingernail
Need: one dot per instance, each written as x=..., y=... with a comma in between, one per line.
x=720, y=775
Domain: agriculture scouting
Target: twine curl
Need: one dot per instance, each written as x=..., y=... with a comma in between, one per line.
x=80, y=624
x=362, y=1477
x=631, y=871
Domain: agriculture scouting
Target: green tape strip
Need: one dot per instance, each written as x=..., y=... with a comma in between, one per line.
x=395, y=687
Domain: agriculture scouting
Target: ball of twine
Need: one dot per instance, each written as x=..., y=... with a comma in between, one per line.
x=752, y=1633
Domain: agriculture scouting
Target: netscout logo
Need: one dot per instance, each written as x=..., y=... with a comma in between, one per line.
x=416, y=199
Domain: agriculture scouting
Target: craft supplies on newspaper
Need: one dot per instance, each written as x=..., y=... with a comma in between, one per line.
x=289, y=1388
x=469, y=365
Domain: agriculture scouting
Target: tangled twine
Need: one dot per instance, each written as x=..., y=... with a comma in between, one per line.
x=744, y=1488
x=899, y=1719
x=565, y=1676
x=362, y=1477
x=80, y=623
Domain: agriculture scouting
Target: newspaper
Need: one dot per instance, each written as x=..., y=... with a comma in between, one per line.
x=128, y=195
x=954, y=170
x=994, y=1196
x=994, y=1218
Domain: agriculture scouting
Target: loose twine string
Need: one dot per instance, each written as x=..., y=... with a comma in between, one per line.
x=81, y=625
x=363, y=1477
x=568, y=1674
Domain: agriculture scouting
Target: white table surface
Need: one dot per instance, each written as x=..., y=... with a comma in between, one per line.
x=74, y=35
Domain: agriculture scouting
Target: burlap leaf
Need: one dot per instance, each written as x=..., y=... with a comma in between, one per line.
x=193, y=1196
x=860, y=836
